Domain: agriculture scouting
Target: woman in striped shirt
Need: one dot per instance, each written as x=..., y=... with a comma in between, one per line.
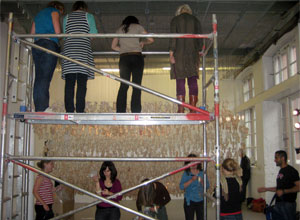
x=43, y=192
x=80, y=49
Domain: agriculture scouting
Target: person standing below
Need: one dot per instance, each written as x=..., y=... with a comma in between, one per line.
x=43, y=192
x=231, y=191
x=78, y=22
x=192, y=184
x=153, y=197
x=184, y=55
x=287, y=186
x=131, y=62
x=246, y=167
x=108, y=185
x=45, y=22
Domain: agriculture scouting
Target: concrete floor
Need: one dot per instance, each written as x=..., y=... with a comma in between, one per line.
x=174, y=209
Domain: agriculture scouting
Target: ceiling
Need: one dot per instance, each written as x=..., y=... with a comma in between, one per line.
x=245, y=28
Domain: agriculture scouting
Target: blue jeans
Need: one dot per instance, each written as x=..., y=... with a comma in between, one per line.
x=284, y=211
x=130, y=65
x=232, y=217
x=44, y=67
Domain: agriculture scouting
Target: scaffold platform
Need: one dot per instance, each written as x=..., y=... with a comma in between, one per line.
x=113, y=118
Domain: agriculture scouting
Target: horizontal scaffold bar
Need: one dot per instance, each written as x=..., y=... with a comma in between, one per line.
x=125, y=159
x=116, y=78
x=205, y=36
x=113, y=118
x=33, y=169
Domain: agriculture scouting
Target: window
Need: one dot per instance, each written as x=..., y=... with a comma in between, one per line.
x=285, y=63
x=250, y=123
x=248, y=88
x=290, y=135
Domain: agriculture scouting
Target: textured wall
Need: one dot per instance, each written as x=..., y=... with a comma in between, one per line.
x=135, y=141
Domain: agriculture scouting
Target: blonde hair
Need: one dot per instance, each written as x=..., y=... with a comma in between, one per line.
x=183, y=9
x=230, y=165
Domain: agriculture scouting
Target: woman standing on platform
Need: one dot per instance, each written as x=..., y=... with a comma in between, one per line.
x=78, y=22
x=43, y=192
x=131, y=62
x=184, y=55
x=108, y=185
x=45, y=22
x=192, y=184
x=231, y=191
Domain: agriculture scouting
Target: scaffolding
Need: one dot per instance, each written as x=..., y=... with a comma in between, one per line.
x=15, y=144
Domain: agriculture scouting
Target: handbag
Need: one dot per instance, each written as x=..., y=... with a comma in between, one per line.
x=258, y=205
x=269, y=208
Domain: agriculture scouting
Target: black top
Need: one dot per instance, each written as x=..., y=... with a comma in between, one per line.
x=245, y=165
x=162, y=196
x=234, y=202
x=286, y=179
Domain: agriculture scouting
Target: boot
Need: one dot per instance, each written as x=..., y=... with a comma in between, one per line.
x=180, y=107
x=193, y=102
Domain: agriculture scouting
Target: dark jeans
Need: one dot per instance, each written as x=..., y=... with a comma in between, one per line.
x=111, y=213
x=41, y=214
x=130, y=65
x=284, y=211
x=194, y=207
x=192, y=83
x=232, y=217
x=80, y=93
x=44, y=67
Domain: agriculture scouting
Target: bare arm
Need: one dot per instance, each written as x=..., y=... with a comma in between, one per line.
x=55, y=21
x=266, y=189
x=149, y=40
x=115, y=44
x=172, y=58
x=32, y=28
x=36, y=187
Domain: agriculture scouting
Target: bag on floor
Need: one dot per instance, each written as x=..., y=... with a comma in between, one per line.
x=269, y=208
x=258, y=205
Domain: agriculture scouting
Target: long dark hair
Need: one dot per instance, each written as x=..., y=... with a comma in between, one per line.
x=128, y=21
x=79, y=5
x=146, y=194
x=199, y=166
x=112, y=169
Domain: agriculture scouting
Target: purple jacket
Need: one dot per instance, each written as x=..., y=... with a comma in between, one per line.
x=116, y=187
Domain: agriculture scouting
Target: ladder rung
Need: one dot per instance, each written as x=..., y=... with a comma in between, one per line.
x=16, y=195
x=25, y=194
x=6, y=199
x=18, y=137
x=20, y=100
x=17, y=176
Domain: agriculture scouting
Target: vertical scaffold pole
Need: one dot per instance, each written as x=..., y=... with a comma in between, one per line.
x=204, y=134
x=217, y=112
x=4, y=112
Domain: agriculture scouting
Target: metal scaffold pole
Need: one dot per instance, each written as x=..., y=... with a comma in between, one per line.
x=204, y=135
x=217, y=112
x=4, y=112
